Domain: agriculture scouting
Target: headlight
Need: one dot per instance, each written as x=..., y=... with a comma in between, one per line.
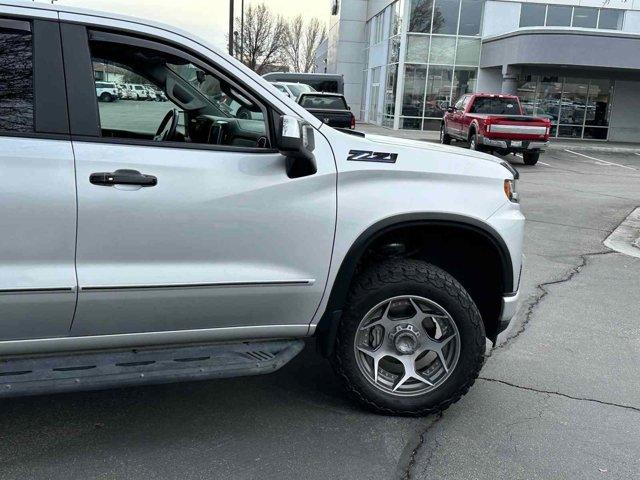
x=510, y=190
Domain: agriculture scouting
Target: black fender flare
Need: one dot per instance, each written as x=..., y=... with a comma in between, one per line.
x=327, y=327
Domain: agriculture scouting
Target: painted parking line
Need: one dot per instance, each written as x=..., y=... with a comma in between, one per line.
x=599, y=161
x=541, y=163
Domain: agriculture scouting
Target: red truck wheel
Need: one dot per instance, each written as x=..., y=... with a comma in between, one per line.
x=530, y=158
x=445, y=138
x=473, y=143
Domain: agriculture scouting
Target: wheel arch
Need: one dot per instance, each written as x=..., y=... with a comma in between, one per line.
x=327, y=326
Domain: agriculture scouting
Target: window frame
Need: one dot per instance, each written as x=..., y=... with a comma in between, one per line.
x=534, y=6
x=50, y=115
x=90, y=111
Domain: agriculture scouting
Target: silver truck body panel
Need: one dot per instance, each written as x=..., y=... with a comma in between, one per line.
x=225, y=247
x=37, y=238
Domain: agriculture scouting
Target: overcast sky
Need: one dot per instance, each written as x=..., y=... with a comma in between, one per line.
x=206, y=18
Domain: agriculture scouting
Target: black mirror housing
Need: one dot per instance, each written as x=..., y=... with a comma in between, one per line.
x=296, y=141
x=451, y=109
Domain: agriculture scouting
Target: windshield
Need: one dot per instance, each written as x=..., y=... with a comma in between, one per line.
x=298, y=88
x=324, y=102
x=228, y=103
x=496, y=106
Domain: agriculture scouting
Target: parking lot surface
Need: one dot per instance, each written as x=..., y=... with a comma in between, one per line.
x=559, y=398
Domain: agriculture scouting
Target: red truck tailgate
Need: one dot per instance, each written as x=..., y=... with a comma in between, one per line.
x=516, y=127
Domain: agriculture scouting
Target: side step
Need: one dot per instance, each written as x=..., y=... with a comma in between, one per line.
x=20, y=376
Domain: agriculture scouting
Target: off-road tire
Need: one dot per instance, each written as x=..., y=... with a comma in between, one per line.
x=409, y=277
x=445, y=138
x=106, y=97
x=530, y=158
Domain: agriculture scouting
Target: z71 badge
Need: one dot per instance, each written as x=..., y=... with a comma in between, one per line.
x=367, y=156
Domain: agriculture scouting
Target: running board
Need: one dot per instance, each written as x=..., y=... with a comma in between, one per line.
x=21, y=376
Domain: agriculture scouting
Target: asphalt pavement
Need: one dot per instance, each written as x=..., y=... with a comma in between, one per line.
x=559, y=398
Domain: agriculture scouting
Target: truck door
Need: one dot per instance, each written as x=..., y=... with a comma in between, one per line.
x=187, y=218
x=37, y=193
x=456, y=118
x=465, y=121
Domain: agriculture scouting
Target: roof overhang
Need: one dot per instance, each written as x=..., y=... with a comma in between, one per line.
x=572, y=47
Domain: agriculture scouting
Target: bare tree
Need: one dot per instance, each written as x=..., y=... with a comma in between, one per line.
x=302, y=43
x=264, y=38
x=314, y=35
x=294, y=46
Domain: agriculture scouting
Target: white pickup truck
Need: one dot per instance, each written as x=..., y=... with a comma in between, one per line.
x=199, y=243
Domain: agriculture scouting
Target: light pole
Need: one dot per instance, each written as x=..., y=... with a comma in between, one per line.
x=242, y=31
x=231, y=27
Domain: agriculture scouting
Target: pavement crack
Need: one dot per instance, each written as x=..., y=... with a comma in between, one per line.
x=407, y=470
x=566, y=225
x=542, y=292
x=560, y=394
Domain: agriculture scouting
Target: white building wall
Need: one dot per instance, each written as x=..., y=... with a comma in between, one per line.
x=631, y=22
x=489, y=80
x=500, y=17
x=376, y=6
x=623, y=124
x=346, y=48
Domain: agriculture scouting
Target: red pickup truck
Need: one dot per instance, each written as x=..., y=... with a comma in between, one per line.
x=495, y=123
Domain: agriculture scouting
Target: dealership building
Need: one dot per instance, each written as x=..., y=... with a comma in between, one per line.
x=574, y=62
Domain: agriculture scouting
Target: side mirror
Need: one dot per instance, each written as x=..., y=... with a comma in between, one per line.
x=451, y=109
x=295, y=140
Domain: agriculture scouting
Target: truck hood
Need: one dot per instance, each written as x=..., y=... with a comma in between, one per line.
x=431, y=146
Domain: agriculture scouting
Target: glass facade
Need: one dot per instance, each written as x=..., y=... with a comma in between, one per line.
x=380, y=78
x=577, y=107
x=540, y=15
x=441, y=59
x=422, y=55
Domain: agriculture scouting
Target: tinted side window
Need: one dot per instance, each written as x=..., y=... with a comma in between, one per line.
x=16, y=81
x=171, y=100
x=323, y=102
x=495, y=106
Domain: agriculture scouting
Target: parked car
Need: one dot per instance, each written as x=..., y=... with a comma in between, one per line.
x=496, y=123
x=160, y=96
x=122, y=91
x=139, y=91
x=204, y=244
x=106, y=91
x=151, y=93
x=293, y=90
x=322, y=82
x=330, y=108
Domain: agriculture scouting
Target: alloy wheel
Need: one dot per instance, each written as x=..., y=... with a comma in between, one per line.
x=407, y=345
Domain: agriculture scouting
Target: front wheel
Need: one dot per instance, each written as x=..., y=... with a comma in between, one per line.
x=411, y=341
x=445, y=138
x=530, y=158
